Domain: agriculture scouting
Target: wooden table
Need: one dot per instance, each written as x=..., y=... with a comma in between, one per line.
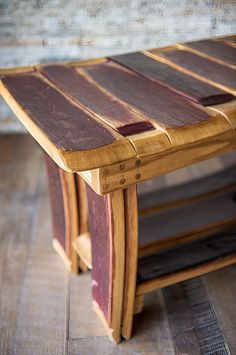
x=111, y=123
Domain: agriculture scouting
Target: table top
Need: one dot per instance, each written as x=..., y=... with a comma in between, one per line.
x=98, y=113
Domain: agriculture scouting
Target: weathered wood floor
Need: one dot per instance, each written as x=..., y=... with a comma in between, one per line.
x=43, y=310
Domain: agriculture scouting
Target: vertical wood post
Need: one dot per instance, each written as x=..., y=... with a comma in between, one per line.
x=69, y=213
x=131, y=259
x=113, y=228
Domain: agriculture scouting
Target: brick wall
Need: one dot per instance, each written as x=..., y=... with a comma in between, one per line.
x=34, y=31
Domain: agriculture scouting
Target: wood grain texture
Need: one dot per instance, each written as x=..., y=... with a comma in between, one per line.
x=102, y=104
x=166, y=161
x=221, y=290
x=217, y=49
x=201, y=66
x=131, y=259
x=107, y=230
x=185, y=192
x=175, y=80
x=150, y=98
x=32, y=276
x=71, y=215
x=57, y=203
x=64, y=208
x=98, y=207
x=187, y=256
x=201, y=331
x=65, y=126
x=82, y=204
x=52, y=313
x=187, y=220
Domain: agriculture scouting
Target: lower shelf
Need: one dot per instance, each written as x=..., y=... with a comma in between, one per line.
x=186, y=261
x=189, y=222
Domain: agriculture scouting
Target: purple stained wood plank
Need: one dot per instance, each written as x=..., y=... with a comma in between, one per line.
x=231, y=39
x=57, y=203
x=68, y=126
x=183, y=84
x=105, y=106
x=202, y=66
x=151, y=98
x=100, y=229
x=218, y=49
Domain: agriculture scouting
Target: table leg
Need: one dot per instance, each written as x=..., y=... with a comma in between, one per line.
x=65, y=190
x=113, y=229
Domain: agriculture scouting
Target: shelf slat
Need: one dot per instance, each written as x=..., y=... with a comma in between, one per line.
x=189, y=260
x=200, y=218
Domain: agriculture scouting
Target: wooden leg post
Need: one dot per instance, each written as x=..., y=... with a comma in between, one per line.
x=69, y=212
x=131, y=259
x=113, y=227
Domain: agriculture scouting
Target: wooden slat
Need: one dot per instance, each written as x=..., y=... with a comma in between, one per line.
x=103, y=105
x=82, y=204
x=64, y=209
x=229, y=38
x=159, y=230
x=217, y=49
x=66, y=131
x=188, y=192
x=222, y=289
x=193, y=321
x=150, y=98
x=131, y=257
x=71, y=215
x=82, y=246
x=206, y=69
x=186, y=256
x=57, y=204
x=97, y=210
x=107, y=229
x=175, y=80
x=68, y=126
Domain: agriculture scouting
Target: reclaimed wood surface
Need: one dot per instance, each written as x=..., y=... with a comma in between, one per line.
x=107, y=230
x=67, y=132
x=56, y=115
x=216, y=49
x=131, y=255
x=162, y=105
x=97, y=113
x=45, y=310
x=188, y=220
x=185, y=192
x=101, y=103
x=203, y=67
x=57, y=203
x=175, y=80
x=187, y=256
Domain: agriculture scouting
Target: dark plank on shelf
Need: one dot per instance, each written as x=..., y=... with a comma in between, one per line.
x=150, y=98
x=188, y=220
x=182, y=193
x=187, y=256
x=204, y=67
x=217, y=49
x=105, y=106
x=68, y=126
x=175, y=80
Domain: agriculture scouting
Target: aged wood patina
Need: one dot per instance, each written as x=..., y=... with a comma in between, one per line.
x=111, y=123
